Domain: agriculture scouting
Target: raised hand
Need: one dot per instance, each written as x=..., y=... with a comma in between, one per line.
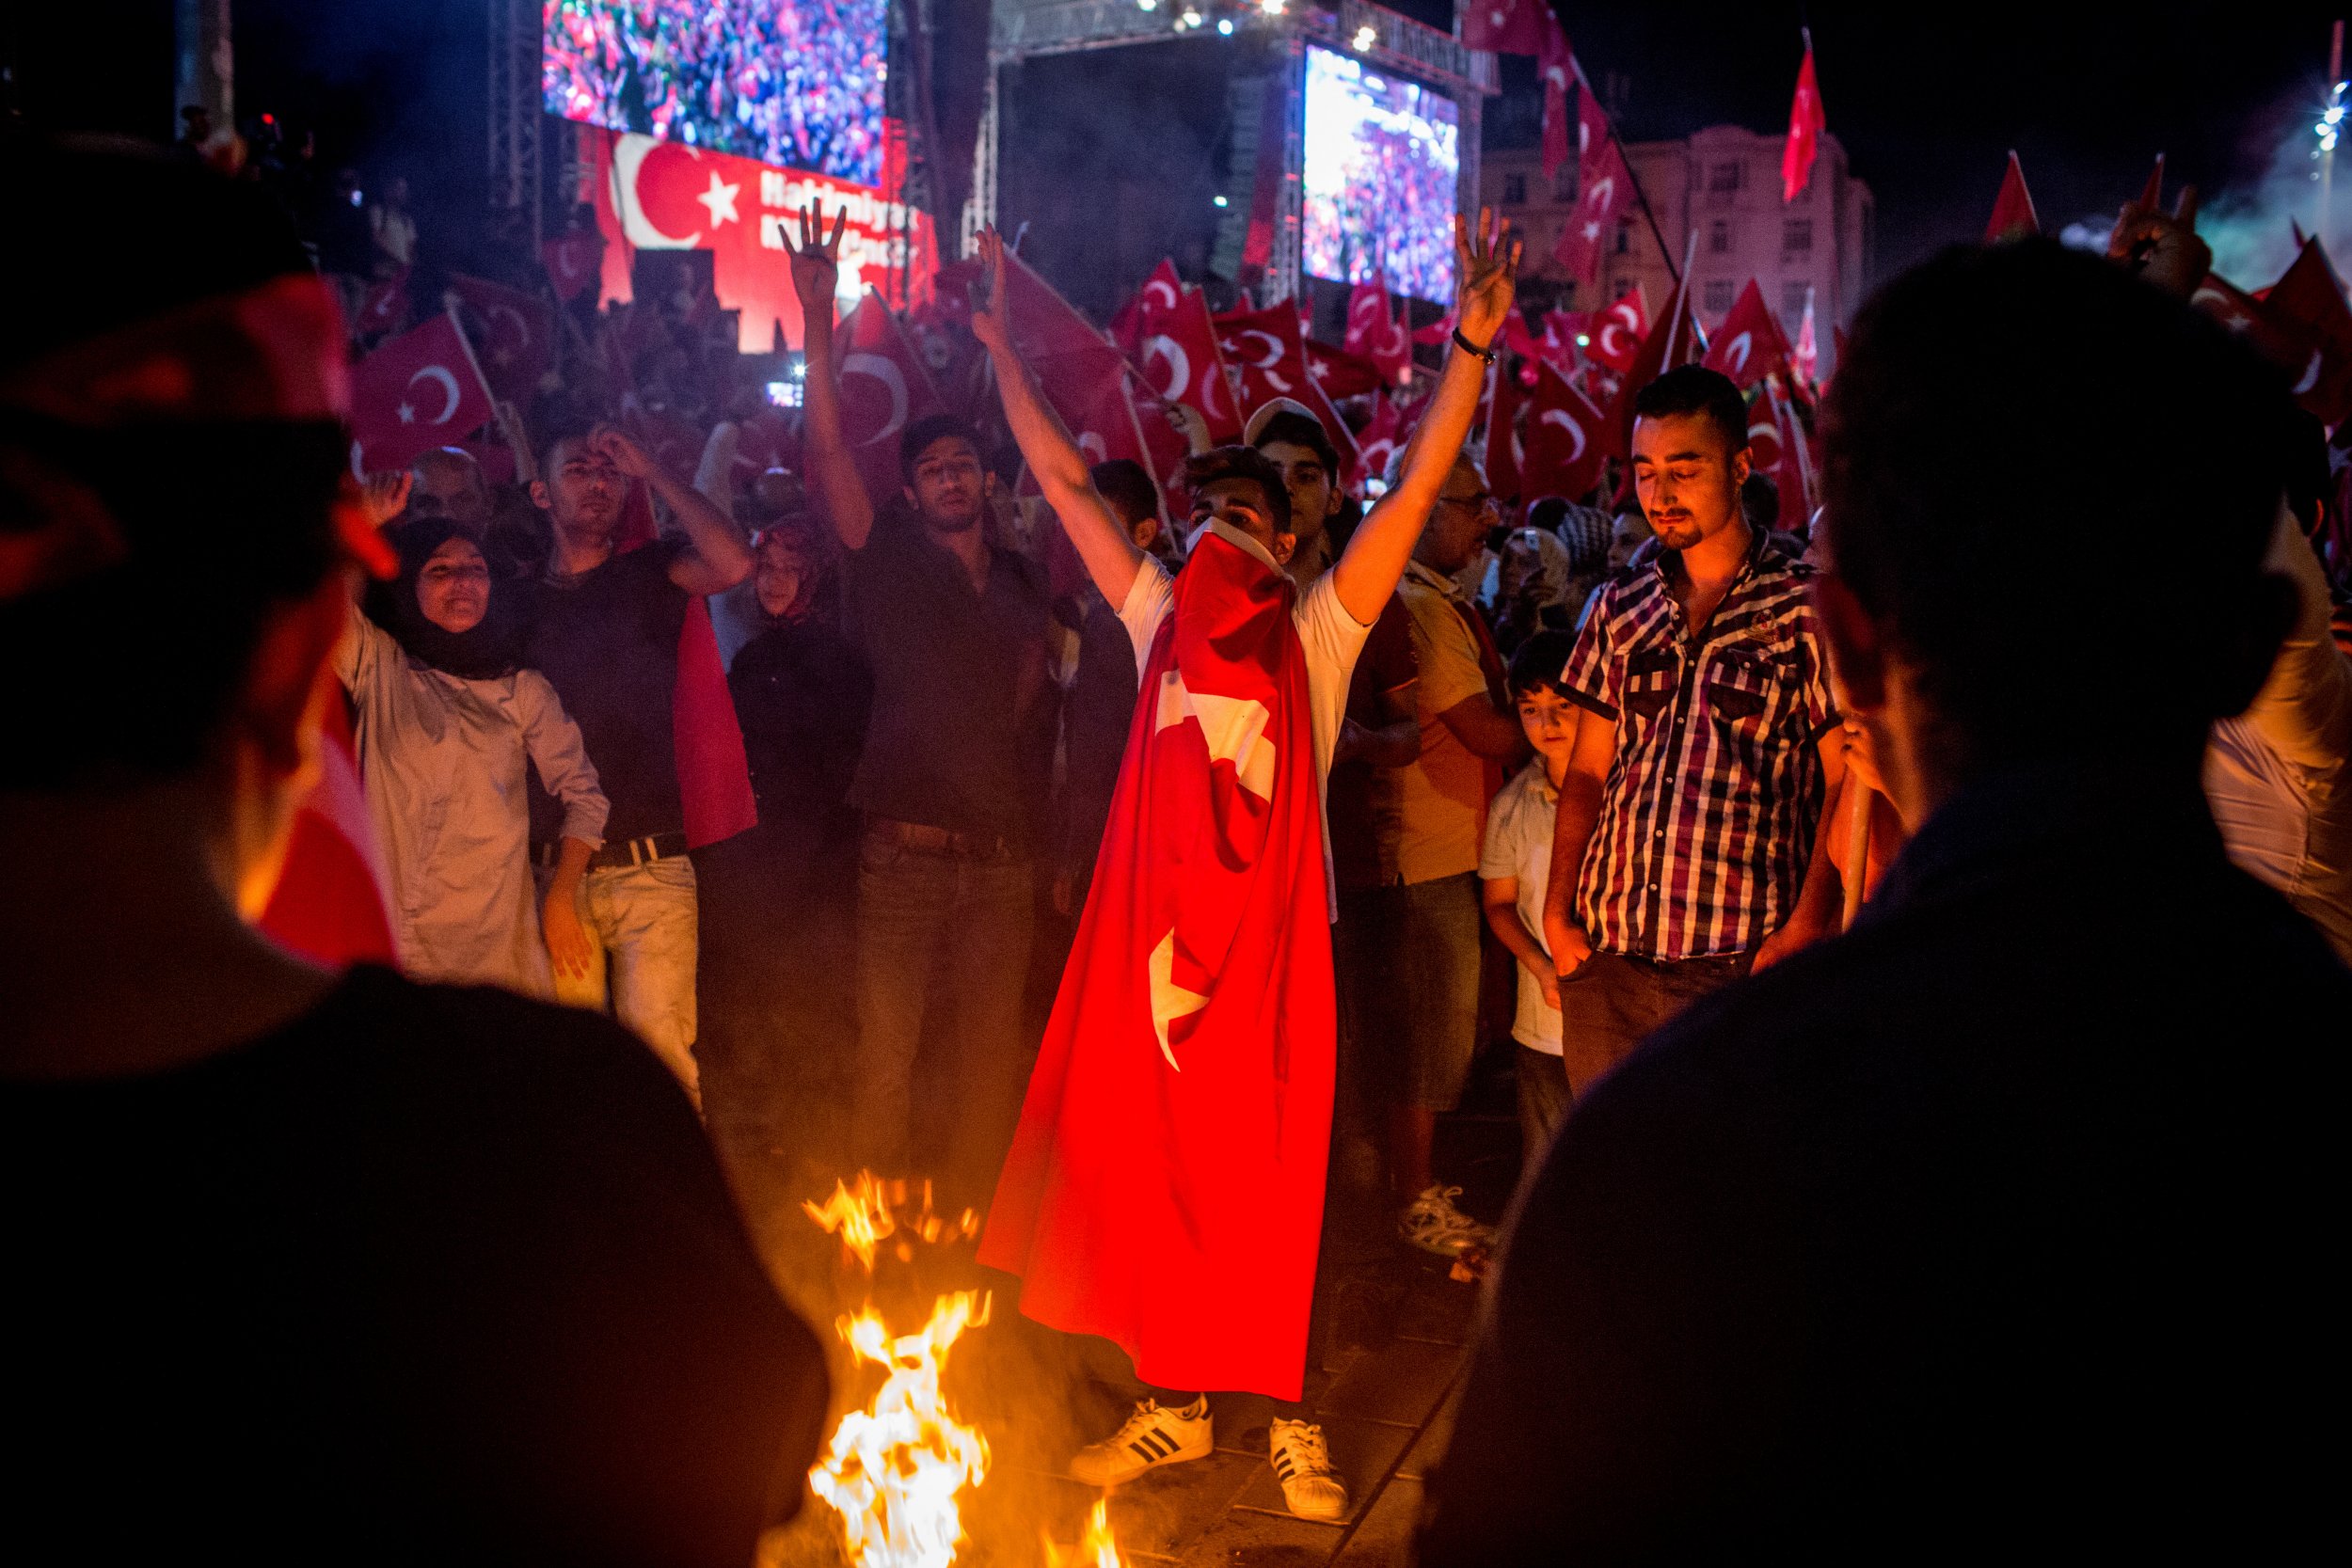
x=2162, y=247
x=991, y=322
x=1486, y=270
x=817, y=260
x=621, y=452
x=384, y=496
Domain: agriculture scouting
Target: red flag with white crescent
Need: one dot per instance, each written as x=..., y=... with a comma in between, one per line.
x=1749, y=346
x=1382, y=438
x=330, y=904
x=514, y=344
x=2308, y=299
x=1376, y=332
x=1556, y=67
x=1564, y=442
x=1177, y=352
x=1505, y=26
x=884, y=387
x=1604, y=191
x=1619, y=332
x=385, y=307
x=1157, y=297
x=418, y=391
x=1268, y=350
x=572, y=262
x=1805, y=125
x=1165, y=1187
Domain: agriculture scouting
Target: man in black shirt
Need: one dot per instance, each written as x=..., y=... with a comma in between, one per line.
x=301, y=1267
x=952, y=782
x=1999, y=1219
x=605, y=633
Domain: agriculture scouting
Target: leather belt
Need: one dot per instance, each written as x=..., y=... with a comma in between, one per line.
x=627, y=851
x=925, y=839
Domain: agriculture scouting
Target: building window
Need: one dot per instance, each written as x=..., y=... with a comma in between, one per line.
x=1793, y=304
x=1514, y=190
x=1796, y=236
x=1718, y=296
x=1564, y=183
x=1719, y=238
x=1625, y=236
x=1723, y=177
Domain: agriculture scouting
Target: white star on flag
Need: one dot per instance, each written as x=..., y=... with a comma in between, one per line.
x=1234, y=727
x=408, y=413
x=1169, y=1000
x=720, y=199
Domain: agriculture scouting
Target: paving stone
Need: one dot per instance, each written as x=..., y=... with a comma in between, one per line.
x=1385, y=1539
x=1437, y=1308
x=1364, y=1452
x=1429, y=1447
x=1401, y=1385
x=1245, y=1538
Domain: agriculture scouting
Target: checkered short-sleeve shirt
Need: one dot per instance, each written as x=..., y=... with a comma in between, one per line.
x=1709, y=812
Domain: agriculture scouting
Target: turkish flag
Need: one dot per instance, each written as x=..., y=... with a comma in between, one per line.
x=1267, y=347
x=1177, y=352
x=1165, y=1187
x=1557, y=347
x=1562, y=447
x=1556, y=67
x=330, y=904
x=1158, y=297
x=1339, y=373
x=2013, y=210
x=1504, y=397
x=1382, y=438
x=418, y=391
x=1619, y=332
x=1168, y=447
x=2309, y=298
x=572, y=262
x=1505, y=26
x=1806, y=358
x=1675, y=339
x=1805, y=125
x=514, y=339
x=1375, y=331
x=1793, y=476
x=1749, y=346
x=884, y=387
x=1605, y=192
x=384, y=308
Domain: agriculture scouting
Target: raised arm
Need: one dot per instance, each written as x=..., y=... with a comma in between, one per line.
x=815, y=267
x=1485, y=266
x=716, y=558
x=1059, y=468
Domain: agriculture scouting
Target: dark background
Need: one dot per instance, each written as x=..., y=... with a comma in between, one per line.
x=1925, y=99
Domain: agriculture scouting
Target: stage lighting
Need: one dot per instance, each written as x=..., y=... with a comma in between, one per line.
x=1191, y=19
x=1225, y=26
x=1147, y=4
x=1219, y=201
x=1366, y=35
x=1272, y=7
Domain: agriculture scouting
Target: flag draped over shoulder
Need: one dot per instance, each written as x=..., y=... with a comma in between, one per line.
x=1165, y=1189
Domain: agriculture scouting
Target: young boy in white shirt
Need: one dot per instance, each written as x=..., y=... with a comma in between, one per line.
x=1514, y=869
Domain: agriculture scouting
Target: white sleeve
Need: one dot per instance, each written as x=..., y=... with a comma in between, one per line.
x=1152, y=595
x=1332, y=638
x=364, y=652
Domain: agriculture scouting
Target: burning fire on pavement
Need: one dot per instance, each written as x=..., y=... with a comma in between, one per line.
x=897, y=1471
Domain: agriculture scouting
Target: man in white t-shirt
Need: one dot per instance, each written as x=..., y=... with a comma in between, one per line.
x=1240, y=498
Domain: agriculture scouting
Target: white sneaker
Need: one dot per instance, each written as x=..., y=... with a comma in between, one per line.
x=1302, y=1462
x=1153, y=1436
x=1433, y=1224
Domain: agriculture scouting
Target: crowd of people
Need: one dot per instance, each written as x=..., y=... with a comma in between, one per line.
x=1283, y=789
x=797, y=85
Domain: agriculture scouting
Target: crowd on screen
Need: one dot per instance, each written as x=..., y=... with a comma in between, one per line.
x=1593, y=776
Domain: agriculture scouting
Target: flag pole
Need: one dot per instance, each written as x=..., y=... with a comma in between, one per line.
x=1585, y=84
x=2328, y=148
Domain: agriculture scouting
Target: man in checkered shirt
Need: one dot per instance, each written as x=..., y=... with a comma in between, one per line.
x=1688, y=815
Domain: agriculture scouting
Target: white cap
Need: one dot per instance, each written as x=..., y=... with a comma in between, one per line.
x=1264, y=415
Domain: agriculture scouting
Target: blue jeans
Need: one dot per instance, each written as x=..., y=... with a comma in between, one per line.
x=939, y=929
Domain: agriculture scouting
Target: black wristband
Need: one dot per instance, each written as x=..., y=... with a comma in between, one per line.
x=1489, y=354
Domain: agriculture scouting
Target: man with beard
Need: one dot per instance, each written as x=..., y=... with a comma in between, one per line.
x=605, y=631
x=1687, y=816
x=952, y=779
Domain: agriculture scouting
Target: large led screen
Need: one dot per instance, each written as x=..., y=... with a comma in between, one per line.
x=1382, y=158
x=793, y=83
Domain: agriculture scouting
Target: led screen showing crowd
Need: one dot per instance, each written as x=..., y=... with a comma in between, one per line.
x=1383, y=155
x=795, y=83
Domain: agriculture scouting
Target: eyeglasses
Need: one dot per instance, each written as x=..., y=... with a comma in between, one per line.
x=1478, y=502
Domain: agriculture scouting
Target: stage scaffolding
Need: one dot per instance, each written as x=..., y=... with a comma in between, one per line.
x=1026, y=29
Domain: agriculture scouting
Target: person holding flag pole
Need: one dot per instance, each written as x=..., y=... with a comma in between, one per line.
x=1165, y=1189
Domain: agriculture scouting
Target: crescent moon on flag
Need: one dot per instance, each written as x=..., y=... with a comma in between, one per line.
x=2311, y=376
x=880, y=370
x=1559, y=417
x=522, y=327
x=1273, y=347
x=628, y=156
x=440, y=374
x=1159, y=288
x=1735, y=353
x=1179, y=365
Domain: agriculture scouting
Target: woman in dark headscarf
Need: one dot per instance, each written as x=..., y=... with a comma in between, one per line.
x=445, y=721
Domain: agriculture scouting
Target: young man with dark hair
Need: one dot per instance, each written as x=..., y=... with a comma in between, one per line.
x=1686, y=819
x=1991, y=1220
x=1165, y=1188
x=952, y=786
x=1293, y=440
x=302, y=1264
x=605, y=629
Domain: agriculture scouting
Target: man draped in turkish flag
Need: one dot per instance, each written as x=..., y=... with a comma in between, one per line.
x=1165, y=1189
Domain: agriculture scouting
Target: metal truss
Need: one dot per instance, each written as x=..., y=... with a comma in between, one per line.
x=517, y=121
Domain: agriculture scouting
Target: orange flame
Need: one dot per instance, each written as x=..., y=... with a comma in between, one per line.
x=894, y=1469
x=1097, y=1548
x=865, y=1216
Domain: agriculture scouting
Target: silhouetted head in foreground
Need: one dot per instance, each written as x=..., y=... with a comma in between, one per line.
x=2049, y=489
